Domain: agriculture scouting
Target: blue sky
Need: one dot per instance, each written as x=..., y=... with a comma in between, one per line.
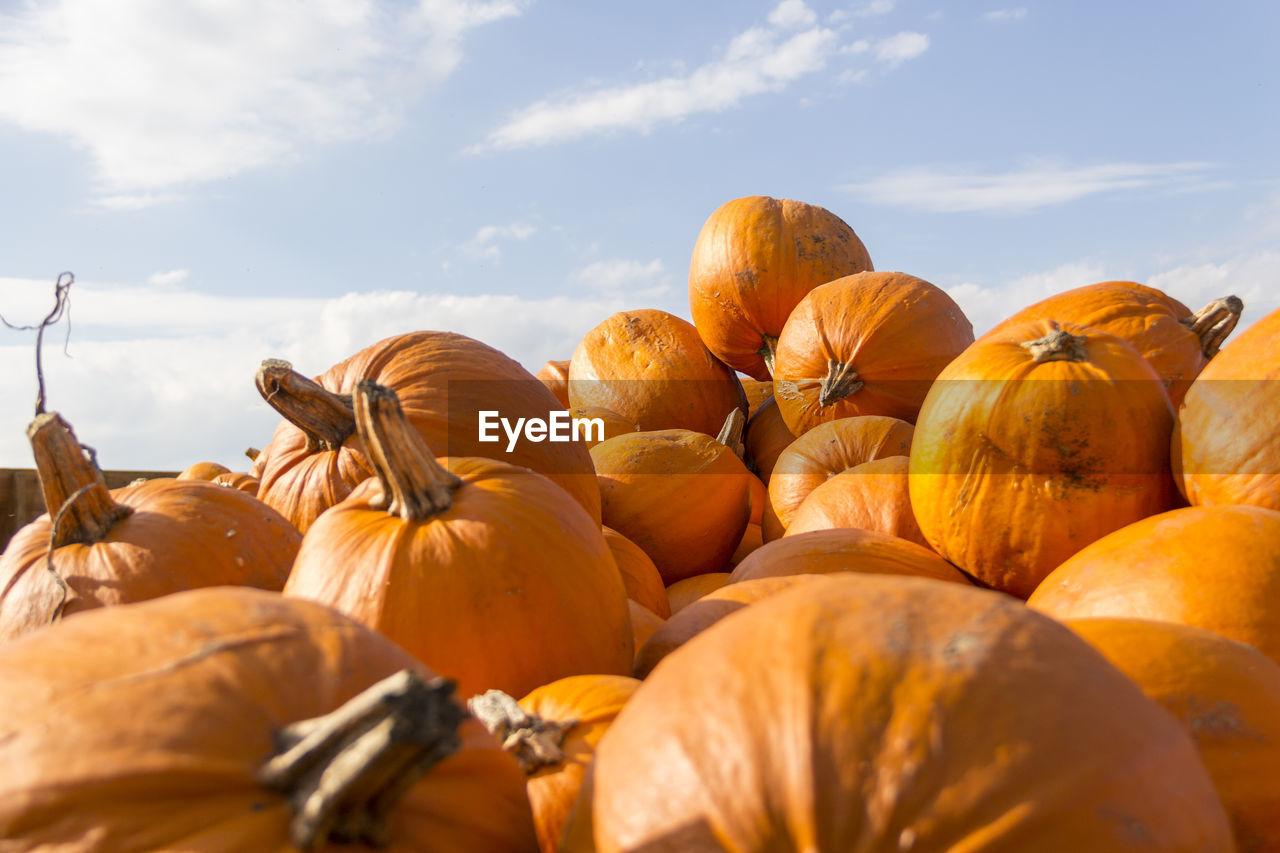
x=233, y=180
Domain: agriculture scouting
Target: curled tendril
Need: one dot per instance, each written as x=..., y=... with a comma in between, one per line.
x=61, y=307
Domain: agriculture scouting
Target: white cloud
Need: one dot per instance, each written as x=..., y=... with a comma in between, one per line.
x=1006, y=14
x=897, y=49
x=164, y=95
x=640, y=280
x=925, y=188
x=869, y=9
x=485, y=242
x=171, y=277
x=759, y=60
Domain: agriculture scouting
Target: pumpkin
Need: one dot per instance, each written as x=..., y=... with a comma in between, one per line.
x=684, y=592
x=757, y=392
x=865, y=344
x=490, y=573
x=643, y=622
x=553, y=732
x=555, y=375
x=1176, y=342
x=610, y=424
x=682, y=496
x=1227, y=697
x=167, y=725
x=765, y=438
x=754, y=260
x=98, y=547
x=844, y=549
x=824, y=452
x=203, y=471
x=1034, y=443
x=240, y=480
x=640, y=577
x=444, y=381
x=874, y=496
x=652, y=369
x=1216, y=568
x=1227, y=447
x=889, y=713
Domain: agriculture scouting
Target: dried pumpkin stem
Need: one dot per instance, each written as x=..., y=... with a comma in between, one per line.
x=415, y=486
x=74, y=489
x=731, y=433
x=769, y=352
x=323, y=416
x=344, y=772
x=841, y=381
x=534, y=741
x=1214, y=322
x=1058, y=345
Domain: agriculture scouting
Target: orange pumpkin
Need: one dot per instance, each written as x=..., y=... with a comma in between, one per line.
x=1034, y=443
x=757, y=392
x=203, y=471
x=825, y=451
x=652, y=369
x=754, y=260
x=889, y=713
x=765, y=438
x=865, y=344
x=643, y=622
x=1227, y=697
x=1176, y=342
x=684, y=592
x=640, y=577
x=239, y=480
x=610, y=424
x=444, y=382
x=98, y=547
x=491, y=573
x=1216, y=568
x=1227, y=446
x=847, y=549
x=166, y=725
x=555, y=375
x=553, y=732
x=874, y=496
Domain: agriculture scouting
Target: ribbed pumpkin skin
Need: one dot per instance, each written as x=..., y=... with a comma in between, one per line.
x=1016, y=465
x=765, y=439
x=1149, y=319
x=182, y=534
x=443, y=380
x=845, y=550
x=906, y=714
x=591, y=702
x=1216, y=568
x=511, y=587
x=555, y=375
x=1228, y=438
x=1227, y=697
x=651, y=368
x=684, y=592
x=754, y=260
x=895, y=330
x=140, y=728
x=825, y=451
x=682, y=496
x=872, y=496
x=640, y=577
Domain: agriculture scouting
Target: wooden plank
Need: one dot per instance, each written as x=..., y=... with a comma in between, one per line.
x=21, y=500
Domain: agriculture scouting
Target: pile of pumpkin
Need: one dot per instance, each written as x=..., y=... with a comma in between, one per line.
x=837, y=576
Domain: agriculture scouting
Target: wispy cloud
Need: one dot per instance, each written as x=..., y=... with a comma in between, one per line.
x=639, y=279
x=487, y=239
x=168, y=278
x=1035, y=186
x=164, y=96
x=1005, y=14
x=763, y=59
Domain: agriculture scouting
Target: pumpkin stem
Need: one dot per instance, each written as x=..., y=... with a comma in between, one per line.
x=1214, y=322
x=414, y=485
x=841, y=381
x=75, y=493
x=323, y=416
x=769, y=352
x=1058, y=345
x=345, y=771
x=252, y=453
x=730, y=434
x=535, y=742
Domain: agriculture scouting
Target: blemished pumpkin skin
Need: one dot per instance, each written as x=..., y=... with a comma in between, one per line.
x=1227, y=444
x=757, y=392
x=865, y=344
x=888, y=713
x=491, y=574
x=640, y=577
x=444, y=380
x=765, y=439
x=825, y=451
x=113, y=547
x=1175, y=341
x=240, y=480
x=1034, y=443
x=553, y=732
x=700, y=614
x=1227, y=697
x=684, y=592
x=651, y=368
x=555, y=375
x=614, y=424
x=755, y=258
x=682, y=496
x=845, y=549
x=873, y=496
x=142, y=727
x=1216, y=568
